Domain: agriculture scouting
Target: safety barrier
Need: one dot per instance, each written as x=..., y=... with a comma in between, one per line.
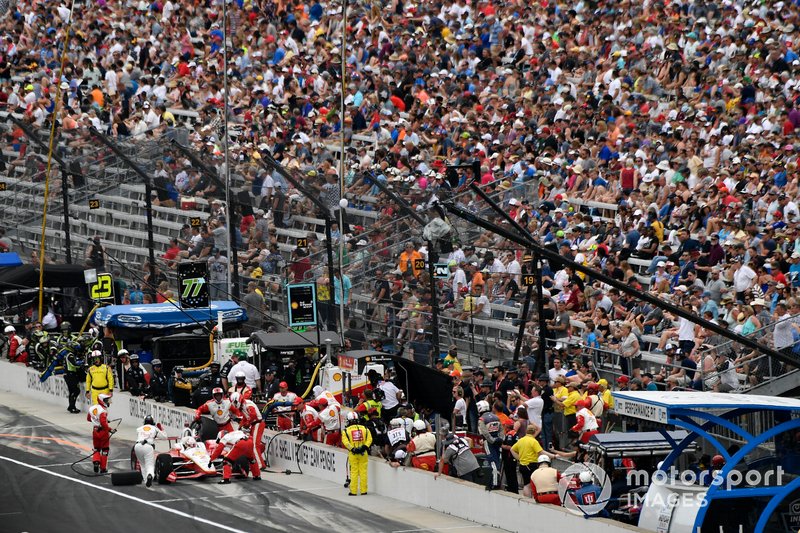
x=418, y=487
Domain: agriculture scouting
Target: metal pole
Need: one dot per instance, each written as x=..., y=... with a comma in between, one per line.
x=65, y=201
x=627, y=289
x=331, y=288
x=542, y=352
x=233, y=288
x=432, y=257
x=343, y=92
x=148, y=191
x=523, y=319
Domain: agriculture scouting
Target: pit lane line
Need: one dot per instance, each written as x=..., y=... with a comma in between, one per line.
x=122, y=495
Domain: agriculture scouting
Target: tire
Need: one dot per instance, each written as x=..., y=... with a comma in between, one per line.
x=134, y=461
x=120, y=479
x=163, y=468
x=205, y=428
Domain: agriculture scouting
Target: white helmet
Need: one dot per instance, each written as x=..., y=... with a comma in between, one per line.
x=396, y=422
x=239, y=374
x=104, y=399
x=585, y=476
x=122, y=352
x=97, y=353
x=483, y=406
x=236, y=399
x=544, y=458
x=419, y=425
x=189, y=442
x=352, y=416
x=9, y=329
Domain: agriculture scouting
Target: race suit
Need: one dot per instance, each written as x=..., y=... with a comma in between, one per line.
x=101, y=434
x=99, y=380
x=145, y=448
x=220, y=412
x=586, y=425
x=233, y=446
x=310, y=423
x=331, y=421
x=284, y=410
x=253, y=423
x=422, y=451
x=357, y=439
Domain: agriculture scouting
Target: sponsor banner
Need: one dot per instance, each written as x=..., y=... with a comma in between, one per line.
x=285, y=452
x=644, y=411
x=24, y=381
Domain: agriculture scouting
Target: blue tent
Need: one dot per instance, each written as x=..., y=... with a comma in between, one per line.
x=10, y=259
x=166, y=315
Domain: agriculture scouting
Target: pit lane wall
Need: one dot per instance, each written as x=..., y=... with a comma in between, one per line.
x=285, y=452
x=446, y=495
x=18, y=379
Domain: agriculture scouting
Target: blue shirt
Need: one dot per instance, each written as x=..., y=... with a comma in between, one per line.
x=337, y=288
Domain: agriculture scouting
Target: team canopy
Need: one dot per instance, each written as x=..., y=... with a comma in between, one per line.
x=167, y=315
x=10, y=259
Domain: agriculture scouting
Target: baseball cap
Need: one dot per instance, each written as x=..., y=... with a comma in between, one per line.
x=623, y=380
x=283, y=385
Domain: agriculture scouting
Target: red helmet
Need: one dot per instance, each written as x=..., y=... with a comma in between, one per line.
x=297, y=401
x=580, y=404
x=322, y=402
x=717, y=461
x=594, y=386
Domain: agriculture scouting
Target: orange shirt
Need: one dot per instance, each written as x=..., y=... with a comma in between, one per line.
x=97, y=97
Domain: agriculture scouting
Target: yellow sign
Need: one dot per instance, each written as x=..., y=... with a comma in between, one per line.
x=302, y=242
x=94, y=204
x=103, y=288
x=195, y=222
x=528, y=280
x=2, y=185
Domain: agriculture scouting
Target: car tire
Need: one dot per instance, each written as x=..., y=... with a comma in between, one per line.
x=120, y=479
x=205, y=429
x=163, y=468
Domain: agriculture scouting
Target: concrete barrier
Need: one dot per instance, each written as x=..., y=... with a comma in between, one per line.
x=285, y=452
x=445, y=494
x=24, y=381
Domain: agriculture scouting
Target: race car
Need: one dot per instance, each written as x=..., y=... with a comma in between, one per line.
x=189, y=457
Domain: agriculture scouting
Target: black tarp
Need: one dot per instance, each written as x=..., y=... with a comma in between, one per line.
x=424, y=386
x=27, y=276
x=291, y=340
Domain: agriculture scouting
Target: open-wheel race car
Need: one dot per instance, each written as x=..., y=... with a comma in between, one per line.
x=189, y=456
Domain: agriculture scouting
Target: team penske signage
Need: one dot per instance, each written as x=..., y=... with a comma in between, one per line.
x=653, y=413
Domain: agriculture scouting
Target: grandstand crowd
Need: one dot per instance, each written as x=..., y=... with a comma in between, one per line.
x=654, y=141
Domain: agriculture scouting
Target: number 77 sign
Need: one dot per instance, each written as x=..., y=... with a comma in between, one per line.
x=193, y=284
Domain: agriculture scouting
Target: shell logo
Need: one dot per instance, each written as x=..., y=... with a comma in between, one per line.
x=146, y=428
x=295, y=305
x=332, y=413
x=219, y=412
x=337, y=376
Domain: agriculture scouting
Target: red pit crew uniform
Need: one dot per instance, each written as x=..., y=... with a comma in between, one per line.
x=310, y=423
x=233, y=446
x=220, y=412
x=244, y=390
x=285, y=412
x=331, y=421
x=101, y=434
x=586, y=425
x=254, y=424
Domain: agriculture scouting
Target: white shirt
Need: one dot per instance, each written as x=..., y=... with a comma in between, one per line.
x=390, y=391
x=534, y=407
x=743, y=278
x=251, y=374
x=553, y=373
x=782, y=336
x=685, y=330
x=147, y=434
x=460, y=411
